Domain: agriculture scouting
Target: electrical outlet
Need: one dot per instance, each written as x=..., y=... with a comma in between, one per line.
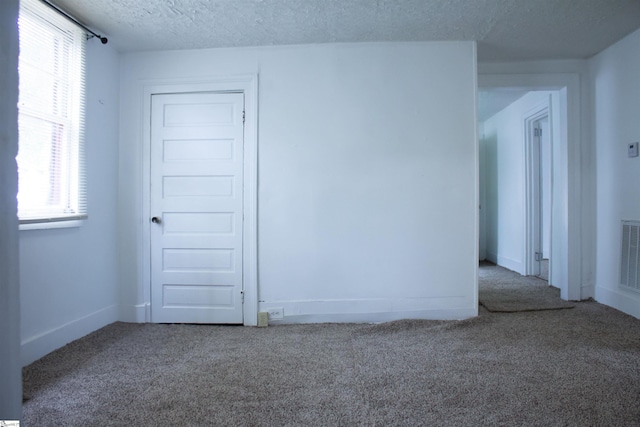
x=276, y=313
x=633, y=149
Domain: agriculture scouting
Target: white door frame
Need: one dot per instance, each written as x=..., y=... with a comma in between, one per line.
x=248, y=85
x=533, y=221
x=570, y=249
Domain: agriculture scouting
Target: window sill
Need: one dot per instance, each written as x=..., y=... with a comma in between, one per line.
x=52, y=224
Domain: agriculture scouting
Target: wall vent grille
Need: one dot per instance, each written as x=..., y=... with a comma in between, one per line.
x=630, y=265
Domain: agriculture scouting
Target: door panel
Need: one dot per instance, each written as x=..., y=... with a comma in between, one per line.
x=196, y=194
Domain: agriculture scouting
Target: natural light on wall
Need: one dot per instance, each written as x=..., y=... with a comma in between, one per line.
x=51, y=117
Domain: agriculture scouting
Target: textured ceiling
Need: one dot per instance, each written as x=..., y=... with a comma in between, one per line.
x=505, y=29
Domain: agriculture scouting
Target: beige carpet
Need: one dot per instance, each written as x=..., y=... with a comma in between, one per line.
x=504, y=291
x=578, y=367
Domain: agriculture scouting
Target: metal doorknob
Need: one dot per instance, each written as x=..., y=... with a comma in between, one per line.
x=155, y=220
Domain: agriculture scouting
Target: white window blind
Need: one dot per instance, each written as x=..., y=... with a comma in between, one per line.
x=51, y=116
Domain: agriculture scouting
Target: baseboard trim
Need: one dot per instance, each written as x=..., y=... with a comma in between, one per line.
x=372, y=311
x=506, y=262
x=376, y=317
x=35, y=347
x=139, y=313
x=626, y=301
x=511, y=264
x=143, y=313
x=588, y=292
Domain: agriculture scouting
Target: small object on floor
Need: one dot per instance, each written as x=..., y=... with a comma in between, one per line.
x=263, y=319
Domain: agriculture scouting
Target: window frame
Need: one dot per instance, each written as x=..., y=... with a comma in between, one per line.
x=66, y=166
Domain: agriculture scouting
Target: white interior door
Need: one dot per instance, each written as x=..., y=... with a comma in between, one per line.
x=196, y=208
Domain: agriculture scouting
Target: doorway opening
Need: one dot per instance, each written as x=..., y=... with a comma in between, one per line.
x=203, y=188
x=523, y=179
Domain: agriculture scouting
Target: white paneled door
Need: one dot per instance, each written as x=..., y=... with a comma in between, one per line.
x=196, y=208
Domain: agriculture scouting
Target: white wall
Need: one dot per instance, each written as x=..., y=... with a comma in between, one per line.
x=616, y=104
x=10, y=368
x=68, y=276
x=367, y=176
x=503, y=146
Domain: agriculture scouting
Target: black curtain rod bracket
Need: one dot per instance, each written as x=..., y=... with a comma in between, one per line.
x=90, y=34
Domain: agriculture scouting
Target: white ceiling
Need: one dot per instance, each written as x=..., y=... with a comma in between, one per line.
x=506, y=30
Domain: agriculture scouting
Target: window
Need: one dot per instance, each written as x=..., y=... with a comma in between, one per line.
x=51, y=117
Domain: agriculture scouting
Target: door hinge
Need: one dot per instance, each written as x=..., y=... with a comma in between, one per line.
x=537, y=132
x=242, y=296
x=244, y=115
x=538, y=256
